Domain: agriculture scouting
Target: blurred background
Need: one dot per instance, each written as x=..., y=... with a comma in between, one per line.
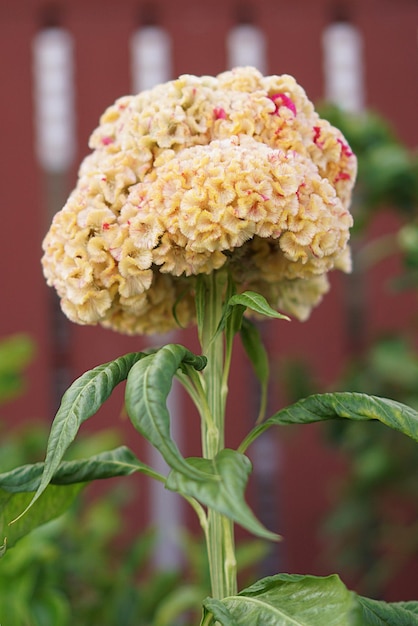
x=344, y=499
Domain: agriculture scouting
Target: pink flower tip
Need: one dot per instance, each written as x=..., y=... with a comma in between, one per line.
x=317, y=134
x=280, y=99
x=345, y=148
x=342, y=176
x=219, y=113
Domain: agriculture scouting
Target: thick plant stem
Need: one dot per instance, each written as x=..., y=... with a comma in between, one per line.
x=220, y=529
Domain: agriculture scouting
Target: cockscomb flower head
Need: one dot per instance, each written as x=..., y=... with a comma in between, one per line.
x=235, y=171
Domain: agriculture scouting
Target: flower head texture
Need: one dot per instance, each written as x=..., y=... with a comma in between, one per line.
x=234, y=171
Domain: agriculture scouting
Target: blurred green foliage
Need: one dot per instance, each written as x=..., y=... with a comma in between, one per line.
x=372, y=530
x=78, y=569
x=16, y=352
x=71, y=571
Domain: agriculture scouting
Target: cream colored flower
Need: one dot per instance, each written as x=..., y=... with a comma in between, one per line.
x=234, y=171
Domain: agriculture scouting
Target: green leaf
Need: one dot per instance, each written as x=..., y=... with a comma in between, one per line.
x=257, y=303
x=253, y=346
x=347, y=405
x=118, y=462
x=229, y=471
x=18, y=485
x=287, y=600
x=147, y=388
x=378, y=613
x=247, y=300
x=81, y=401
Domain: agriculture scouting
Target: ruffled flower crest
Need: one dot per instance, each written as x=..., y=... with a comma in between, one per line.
x=234, y=171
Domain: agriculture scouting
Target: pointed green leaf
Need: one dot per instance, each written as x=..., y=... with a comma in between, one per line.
x=118, y=462
x=287, y=600
x=81, y=401
x=225, y=494
x=18, y=485
x=378, y=613
x=147, y=388
x=257, y=303
x=239, y=302
x=347, y=405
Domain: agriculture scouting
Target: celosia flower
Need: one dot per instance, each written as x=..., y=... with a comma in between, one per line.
x=236, y=171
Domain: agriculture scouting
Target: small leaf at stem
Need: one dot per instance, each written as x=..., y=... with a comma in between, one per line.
x=82, y=400
x=237, y=305
x=226, y=494
x=257, y=303
x=288, y=600
x=338, y=405
x=147, y=388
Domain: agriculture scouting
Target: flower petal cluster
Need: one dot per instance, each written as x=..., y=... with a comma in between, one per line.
x=200, y=173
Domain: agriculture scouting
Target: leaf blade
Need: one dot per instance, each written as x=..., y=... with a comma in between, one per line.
x=224, y=494
x=81, y=400
x=342, y=405
x=17, y=487
x=147, y=388
x=237, y=305
x=288, y=600
x=257, y=303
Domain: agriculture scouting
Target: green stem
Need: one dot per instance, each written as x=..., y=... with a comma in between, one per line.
x=192, y=382
x=220, y=542
x=208, y=620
